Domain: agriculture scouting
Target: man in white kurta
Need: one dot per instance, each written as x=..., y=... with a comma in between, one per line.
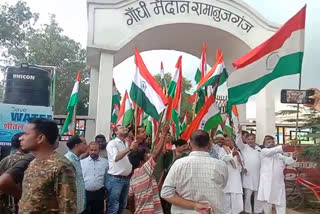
x=272, y=188
x=233, y=201
x=250, y=179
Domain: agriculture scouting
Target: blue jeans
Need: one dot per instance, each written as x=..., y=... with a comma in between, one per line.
x=118, y=190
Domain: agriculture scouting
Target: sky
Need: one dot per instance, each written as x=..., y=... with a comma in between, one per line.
x=72, y=17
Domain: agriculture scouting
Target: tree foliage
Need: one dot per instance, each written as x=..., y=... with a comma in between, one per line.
x=186, y=86
x=24, y=43
x=16, y=25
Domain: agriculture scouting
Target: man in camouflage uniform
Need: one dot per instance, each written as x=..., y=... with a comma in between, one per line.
x=49, y=182
x=8, y=204
x=8, y=161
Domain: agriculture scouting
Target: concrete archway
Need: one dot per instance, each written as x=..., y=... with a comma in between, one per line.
x=117, y=26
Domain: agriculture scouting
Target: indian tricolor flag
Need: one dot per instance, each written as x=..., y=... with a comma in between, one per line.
x=212, y=78
x=219, y=130
x=174, y=96
x=138, y=115
x=145, y=91
x=227, y=127
x=232, y=112
x=200, y=96
x=151, y=126
x=163, y=80
x=201, y=71
x=125, y=116
x=235, y=111
x=115, y=103
x=279, y=56
x=115, y=94
x=208, y=118
x=73, y=101
x=115, y=113
x=185, y=122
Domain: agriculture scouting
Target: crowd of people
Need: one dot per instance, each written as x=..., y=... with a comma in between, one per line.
x=227, y=175
x=222, y=176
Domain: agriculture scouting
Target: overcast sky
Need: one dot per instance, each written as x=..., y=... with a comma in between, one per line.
x=72, y=17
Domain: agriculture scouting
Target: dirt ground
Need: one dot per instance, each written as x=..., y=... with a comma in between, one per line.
x=304, y=211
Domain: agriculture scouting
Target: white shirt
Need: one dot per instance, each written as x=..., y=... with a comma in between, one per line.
x=252, y=163
x=197, y=177
x=121, y=167
x=272, y=187
x=94, y=172
x=234, y=184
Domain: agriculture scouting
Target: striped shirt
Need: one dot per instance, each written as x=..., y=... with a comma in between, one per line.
x=197, y=177
x=144, y=189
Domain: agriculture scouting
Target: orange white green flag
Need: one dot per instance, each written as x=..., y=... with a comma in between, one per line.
x=145, y=91
x=184, y=122
x=279, y=56
x=125, y=116
x=73, y=101
x=208, y=118
x=174, y=96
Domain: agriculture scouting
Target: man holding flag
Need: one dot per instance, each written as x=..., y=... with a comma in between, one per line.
x=119, y=170
x=250, y=179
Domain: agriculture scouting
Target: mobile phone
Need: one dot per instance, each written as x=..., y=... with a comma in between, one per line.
x=297, y=96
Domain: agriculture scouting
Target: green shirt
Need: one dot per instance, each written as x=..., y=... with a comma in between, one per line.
x=164, y=162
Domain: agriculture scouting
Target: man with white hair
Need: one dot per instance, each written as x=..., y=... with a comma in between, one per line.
x=218, y=143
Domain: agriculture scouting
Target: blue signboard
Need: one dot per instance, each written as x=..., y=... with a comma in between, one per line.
x=14, y=117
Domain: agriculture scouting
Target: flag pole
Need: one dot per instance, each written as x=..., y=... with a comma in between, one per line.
x=298, y=109
x=238, y=120
x=74, y=117
x=74, y=122
x=194, y=106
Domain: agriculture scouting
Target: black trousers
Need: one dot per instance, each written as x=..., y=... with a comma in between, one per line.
x=95, y=202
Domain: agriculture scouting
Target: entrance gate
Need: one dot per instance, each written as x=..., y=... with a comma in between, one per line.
x=115, y=27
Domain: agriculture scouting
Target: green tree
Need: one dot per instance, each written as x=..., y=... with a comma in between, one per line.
x=186, y=86
x=16, y=25
x=45, y=46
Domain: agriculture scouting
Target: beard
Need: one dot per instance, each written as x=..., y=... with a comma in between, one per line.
x=94, y=156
